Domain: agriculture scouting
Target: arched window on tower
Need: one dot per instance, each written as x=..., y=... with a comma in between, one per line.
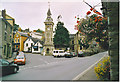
x=47, y=50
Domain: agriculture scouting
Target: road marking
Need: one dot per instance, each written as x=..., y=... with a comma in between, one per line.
x=81, y=74
x=46, y=63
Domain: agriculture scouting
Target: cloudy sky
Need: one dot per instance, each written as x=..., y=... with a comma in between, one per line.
x=32, y=13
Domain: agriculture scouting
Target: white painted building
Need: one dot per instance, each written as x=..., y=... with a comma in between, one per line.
x=33, y=45
x=37, y=48
x=28, y=43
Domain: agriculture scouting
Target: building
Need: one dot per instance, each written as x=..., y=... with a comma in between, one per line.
x=33, y=45
x=19, y=39
x=77, y=38
x=38, y=46
x=36, y=35
x=48, y=45
x=72, y=42
x=28, y=43
x=6, y=34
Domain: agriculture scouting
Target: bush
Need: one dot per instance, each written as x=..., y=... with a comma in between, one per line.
x=103, y=69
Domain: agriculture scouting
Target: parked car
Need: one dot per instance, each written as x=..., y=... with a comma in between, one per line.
x=80, y=54
x=20, y=53
x=8, y=68
x=68, y=54
x=20, y=59
x=74, y=54
x=58, y=53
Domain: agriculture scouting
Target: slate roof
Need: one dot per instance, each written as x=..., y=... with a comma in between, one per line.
x=35, y=40
x=23, y=34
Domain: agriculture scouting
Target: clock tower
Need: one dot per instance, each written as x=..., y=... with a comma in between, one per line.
x=48, y=44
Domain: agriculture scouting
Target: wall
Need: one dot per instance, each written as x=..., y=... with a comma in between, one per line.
x=1, y=46
x=22, y=39
x=39, y=49
x=29, y=41
x=6, y=44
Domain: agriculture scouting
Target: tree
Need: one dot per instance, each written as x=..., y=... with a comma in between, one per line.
x=40, y=31
x=95, y=27
x=61, y=38
x=15, y=27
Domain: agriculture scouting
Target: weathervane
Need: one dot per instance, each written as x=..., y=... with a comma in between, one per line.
x=49, y=4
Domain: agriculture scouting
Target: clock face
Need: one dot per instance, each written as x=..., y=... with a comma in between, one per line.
x=48, y=28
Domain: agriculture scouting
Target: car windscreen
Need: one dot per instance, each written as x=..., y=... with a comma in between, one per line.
x=61, y=51
x=21, y=53
x=20, y=57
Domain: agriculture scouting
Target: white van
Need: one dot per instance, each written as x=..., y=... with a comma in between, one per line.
x=59, y=53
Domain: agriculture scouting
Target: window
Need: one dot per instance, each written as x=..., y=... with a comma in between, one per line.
x=18, y=40
x=26, y=44
x=5, y=26
x=4, y=49
x=5, y=37
x=56, y=51
x=17, y=35
x=11, y=30
x=73, y=42
x=10, y=37
x=31, y=44
x=15, y=40
x=35, y=48
x=61, y=51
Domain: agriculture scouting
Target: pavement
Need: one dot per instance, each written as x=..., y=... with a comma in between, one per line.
x=90, y=73
x=12, y=58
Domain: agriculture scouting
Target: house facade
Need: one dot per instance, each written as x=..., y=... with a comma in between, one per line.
x=33, y=45
x=38, y=47
x=28, y=43
x=6, y=34
x=19, y=39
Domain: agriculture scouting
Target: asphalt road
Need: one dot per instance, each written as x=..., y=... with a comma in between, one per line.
x=49, y=68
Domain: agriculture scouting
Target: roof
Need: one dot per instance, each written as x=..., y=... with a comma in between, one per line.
x=35, y=40
x=23, y=34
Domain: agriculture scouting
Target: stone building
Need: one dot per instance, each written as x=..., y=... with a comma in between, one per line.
x=74, y=42
x=6, y=34
x=48, y=44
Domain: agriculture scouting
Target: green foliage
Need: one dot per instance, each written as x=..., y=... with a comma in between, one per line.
x=15, y=27
x=40, y=31
x=84, y=43
x=103, y=69
x=95, y=27
x=61, y=37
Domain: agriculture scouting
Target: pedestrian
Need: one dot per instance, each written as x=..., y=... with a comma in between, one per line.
x=43, y=53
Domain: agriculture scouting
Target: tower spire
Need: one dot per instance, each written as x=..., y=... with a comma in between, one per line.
x=49, y=12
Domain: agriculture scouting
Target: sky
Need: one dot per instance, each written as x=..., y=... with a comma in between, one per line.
x=32, y=13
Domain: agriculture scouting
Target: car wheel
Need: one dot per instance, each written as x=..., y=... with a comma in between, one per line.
x=15, y=70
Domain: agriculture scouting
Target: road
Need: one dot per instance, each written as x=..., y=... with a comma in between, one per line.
x=49, y=68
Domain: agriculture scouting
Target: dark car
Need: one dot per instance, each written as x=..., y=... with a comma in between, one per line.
x=8, y=68
x=68, y=55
